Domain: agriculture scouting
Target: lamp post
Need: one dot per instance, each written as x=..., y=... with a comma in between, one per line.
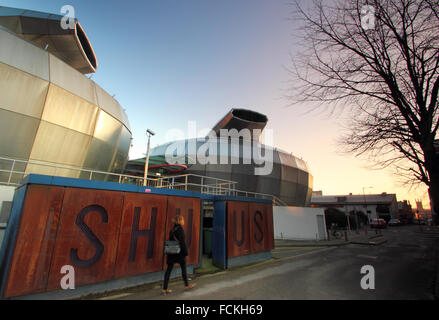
x=149, y=133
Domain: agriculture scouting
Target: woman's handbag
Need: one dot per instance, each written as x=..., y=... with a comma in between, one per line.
x=172, y=246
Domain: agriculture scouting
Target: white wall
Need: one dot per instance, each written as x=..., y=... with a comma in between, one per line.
x=6, y=194
x=297, y=223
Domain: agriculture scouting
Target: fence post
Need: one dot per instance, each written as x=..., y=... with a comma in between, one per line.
x=202, y=184
x=10, y=174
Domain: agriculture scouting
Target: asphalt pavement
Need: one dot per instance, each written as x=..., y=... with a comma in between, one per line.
x=405, y=266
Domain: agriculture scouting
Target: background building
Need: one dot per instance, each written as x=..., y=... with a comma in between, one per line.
x=405, y=211
x=290, y=179
x=382, y=205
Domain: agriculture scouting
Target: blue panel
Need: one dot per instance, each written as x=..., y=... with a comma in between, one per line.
x=8, y=244
x=219, y=252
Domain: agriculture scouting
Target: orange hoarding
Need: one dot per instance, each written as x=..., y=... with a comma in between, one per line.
x=238, y=223
x=30, y=265
x=249, y=228
x=87, y=235
x=261, y=227
x=105, y=235
x=190, y=209
x=141, y=238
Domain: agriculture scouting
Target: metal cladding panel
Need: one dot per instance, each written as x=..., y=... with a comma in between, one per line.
x=261, y=227
x=29, y=269
x=14, y=83
x=99, y=156
x=42, y=167
x=124, y=142
x=23, y=55
x=70, y=111
x=196, y=169
x=302, y=165
x=190, y=209
x=36, y=23
x=67, y=146
x=308, y=196
x=119, y=164
x=287, y=159
x=220, y=171
x=289, y=173
x=108, y=103
x=288, y=192
x=142, y=235
x=303, y=178
x=107, y=129
x=87, y=236
x=125, y=120
x=301, y=195
x=245, y=176
x=72, y=80
x=17, y=134
x=238, y=223
x=268, y=185
x=12, y=23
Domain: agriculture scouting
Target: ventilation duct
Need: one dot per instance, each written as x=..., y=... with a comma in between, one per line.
x=44, y=29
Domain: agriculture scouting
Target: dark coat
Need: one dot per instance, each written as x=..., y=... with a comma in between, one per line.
x=177, y=233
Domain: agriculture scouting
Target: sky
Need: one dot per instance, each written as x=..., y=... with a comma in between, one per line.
x=172, y=61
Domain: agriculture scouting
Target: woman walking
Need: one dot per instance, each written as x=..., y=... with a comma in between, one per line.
x=177, y=233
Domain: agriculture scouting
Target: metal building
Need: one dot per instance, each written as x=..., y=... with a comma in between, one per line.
x=50, y=112
x=289, y=178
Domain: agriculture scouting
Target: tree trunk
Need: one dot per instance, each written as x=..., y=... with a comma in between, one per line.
x=433, y=192
x=432, y=167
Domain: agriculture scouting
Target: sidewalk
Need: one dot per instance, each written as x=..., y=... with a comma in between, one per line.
x=353, y=238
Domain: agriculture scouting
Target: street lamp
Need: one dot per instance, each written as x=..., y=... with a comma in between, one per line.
x=149, y=133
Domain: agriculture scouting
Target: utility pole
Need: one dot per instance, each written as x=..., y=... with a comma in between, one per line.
x=149, y=134
x=365, y=204
x=348, y=218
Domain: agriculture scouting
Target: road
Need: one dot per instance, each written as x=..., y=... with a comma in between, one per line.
x=405, y=268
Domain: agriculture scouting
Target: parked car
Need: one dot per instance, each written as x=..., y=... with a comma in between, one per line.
x=394, y=222
x=378, y=223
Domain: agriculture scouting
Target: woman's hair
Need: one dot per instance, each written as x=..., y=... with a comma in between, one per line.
x=178, y=219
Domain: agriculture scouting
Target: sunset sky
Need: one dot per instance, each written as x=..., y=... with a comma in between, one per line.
x=173, y=61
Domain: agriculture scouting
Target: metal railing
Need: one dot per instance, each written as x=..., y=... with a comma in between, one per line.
x=12, y=171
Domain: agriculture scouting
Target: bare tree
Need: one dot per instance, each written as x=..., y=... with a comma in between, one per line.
x=380, y=58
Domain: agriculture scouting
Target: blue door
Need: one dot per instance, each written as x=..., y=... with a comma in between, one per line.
x=219, y=252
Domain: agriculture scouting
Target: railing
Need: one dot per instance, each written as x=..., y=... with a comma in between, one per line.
x=12, y=171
